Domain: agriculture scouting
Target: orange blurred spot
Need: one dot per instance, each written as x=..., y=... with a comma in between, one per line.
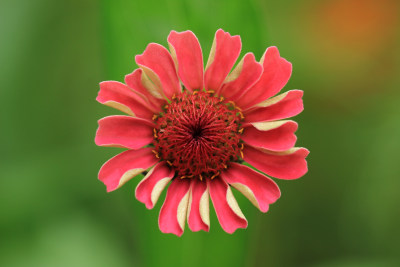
x=367, y=23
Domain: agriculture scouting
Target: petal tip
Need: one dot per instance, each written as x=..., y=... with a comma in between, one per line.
x=178, y=234
x=233, y=230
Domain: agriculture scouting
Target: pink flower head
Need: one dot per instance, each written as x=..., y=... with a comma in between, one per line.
x=193, y=128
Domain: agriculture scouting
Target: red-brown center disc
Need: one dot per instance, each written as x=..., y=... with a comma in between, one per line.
x=198, y=134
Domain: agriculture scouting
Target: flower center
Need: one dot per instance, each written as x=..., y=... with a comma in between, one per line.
x=198, y=134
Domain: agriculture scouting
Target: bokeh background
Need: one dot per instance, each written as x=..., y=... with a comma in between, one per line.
x=54, y=211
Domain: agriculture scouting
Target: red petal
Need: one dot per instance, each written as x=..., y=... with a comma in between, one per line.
x=276, y=74
x=173, y=212
x=124, y=131
x=135, y=81
x=149, y=189
x=159, y=66
x=290, y=164
x=121, y=97
x=280, y=107
x=258, y=188
x=186, y=51
x=123, y=167
x=276, y=136
x=228, y=212
x=246, y=73
x=198, y=214
x=224, y=53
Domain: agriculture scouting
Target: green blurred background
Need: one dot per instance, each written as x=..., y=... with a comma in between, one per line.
x=54, y=211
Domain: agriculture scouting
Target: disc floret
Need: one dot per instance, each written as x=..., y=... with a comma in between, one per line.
x=198, y=134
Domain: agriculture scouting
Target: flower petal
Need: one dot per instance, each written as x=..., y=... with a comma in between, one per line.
x=124, y=166
x=224, y=52
x=173, y=212
x=290, y=164
x=136, y=81
x=124, y=131
x=186, y=52
x=159, y=66
x=283, y=106
x=228, y=212
x=149, y=189
x=246, y=73
x=258, y=188
x=199, y=213
x=276, y=135
x=121, y=97
x=276, y=73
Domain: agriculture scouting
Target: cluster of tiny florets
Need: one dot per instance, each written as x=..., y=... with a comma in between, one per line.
x=198, y=134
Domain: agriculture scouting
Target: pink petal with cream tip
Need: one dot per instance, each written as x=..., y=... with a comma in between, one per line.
x=173, y=212
x=224, y=52
x=149, y=189
x=186, y=52
x=124, y=131
x=258, y=188
x=198, y=213
x=228, y=212
x=283, y=106
x=276, y=73
x=290, y=164
x=135, y=81
x=159, y=66
x=121, y=97
x=245, y=75
x=275, y=135
x=123, y=167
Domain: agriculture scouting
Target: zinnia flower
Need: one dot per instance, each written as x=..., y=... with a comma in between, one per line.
x=193, y=128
